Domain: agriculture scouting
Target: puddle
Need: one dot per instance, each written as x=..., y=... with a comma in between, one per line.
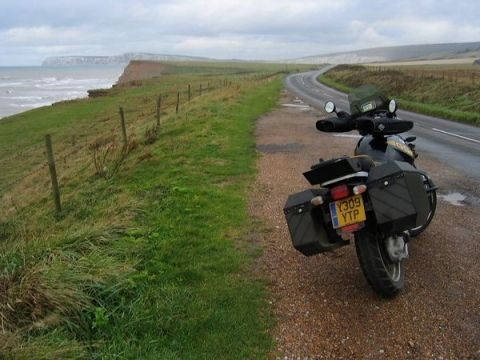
x=453, y=198
x=279, y=148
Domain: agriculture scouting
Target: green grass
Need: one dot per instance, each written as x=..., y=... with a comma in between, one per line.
x=151, y=262
x=435, y=96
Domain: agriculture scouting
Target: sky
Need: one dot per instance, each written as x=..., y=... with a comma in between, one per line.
x=31, y=30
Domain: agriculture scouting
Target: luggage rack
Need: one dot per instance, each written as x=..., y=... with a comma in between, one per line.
x=357, y=174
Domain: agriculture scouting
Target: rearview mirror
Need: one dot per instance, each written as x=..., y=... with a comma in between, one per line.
x=329, y=107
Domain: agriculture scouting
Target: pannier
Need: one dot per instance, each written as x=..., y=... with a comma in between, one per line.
x=398, y=196
x=306, y=224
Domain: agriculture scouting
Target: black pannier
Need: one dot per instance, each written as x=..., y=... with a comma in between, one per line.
x=306, y=224
x=398, y=196
x=332, y=169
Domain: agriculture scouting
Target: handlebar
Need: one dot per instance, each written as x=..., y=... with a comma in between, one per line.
x=365, y=125
x=334, y=125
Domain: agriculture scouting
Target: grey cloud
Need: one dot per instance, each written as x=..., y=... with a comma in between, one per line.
x=268, y=29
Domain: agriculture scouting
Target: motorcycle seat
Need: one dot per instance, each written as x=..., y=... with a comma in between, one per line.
x=366, y=162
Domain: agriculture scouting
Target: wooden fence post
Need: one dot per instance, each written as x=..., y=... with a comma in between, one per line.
x=124, y=129
x=53, y=174
x=200, y=89
x=159, y=107
x=178, y=102
x=189, y=93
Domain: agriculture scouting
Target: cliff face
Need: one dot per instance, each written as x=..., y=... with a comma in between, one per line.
x=114, y=60
x=141, y=70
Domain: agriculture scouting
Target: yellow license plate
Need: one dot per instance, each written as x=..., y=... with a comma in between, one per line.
x=347, y=211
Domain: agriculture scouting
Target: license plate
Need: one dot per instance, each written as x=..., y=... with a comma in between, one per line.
x=347, y=211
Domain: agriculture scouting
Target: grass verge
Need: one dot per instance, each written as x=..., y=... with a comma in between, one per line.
x=151, y=262
x=430, y=96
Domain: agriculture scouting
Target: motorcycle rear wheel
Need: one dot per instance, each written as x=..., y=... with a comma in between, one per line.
x=386, y=277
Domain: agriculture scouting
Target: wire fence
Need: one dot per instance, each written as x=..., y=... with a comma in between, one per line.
x=53, y=164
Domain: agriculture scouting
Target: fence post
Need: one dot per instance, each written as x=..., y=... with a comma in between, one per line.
x=178, y=102
x=124, y=129
x=53, y=174
x=159, y=107
x=189, y=93
x=200, y=89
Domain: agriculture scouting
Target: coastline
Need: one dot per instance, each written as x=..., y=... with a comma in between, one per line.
x=31, y=87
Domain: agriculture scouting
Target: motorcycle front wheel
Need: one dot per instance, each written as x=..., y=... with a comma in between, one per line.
x=385, y=276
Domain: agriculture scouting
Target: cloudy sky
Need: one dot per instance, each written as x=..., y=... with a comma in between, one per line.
x=31, y=30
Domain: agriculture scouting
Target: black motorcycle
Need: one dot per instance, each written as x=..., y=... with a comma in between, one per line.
x=377, y=197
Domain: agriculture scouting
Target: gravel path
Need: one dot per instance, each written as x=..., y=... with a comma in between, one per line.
x=324, y=306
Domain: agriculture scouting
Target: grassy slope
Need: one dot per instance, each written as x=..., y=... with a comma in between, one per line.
x=437, y=97
x=149, y=263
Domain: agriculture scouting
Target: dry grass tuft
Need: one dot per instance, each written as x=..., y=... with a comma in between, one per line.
x=27, y=298
x=104, y=155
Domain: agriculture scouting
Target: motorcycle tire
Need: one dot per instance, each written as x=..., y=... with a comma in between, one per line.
x=386, y=278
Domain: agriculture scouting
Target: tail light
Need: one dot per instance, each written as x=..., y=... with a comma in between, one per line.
x=339, y=192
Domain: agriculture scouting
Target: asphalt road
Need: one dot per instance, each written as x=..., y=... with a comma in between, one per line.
x=455, y=144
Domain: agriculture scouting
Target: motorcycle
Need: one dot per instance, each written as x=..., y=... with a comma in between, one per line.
x=378, y=197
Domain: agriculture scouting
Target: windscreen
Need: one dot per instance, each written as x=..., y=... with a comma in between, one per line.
x=366, y=98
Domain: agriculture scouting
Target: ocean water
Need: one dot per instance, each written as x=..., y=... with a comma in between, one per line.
x=25, y=88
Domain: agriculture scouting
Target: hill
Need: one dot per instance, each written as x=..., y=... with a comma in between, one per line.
x=396, y=53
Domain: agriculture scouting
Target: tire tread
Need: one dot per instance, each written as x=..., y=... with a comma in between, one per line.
x=373, y=267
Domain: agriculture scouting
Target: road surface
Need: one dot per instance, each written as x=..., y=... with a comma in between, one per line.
x=323, y=305
x=454, y=144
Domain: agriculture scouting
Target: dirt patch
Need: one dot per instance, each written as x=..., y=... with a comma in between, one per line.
x=141, y=70
x=324, y=306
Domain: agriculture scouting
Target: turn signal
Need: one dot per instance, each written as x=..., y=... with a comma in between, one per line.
x=359, y=189
x=339, y=192
x=317, y=201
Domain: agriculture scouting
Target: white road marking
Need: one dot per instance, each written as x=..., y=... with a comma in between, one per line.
x=456, y=135
x=298, y=106
x=348, y=135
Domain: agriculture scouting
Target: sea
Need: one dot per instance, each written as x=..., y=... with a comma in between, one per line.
x=24, y=88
